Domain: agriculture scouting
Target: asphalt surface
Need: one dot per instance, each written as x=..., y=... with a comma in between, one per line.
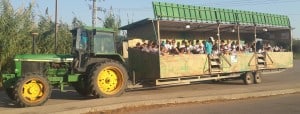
x=284, y=104
x=71, y=102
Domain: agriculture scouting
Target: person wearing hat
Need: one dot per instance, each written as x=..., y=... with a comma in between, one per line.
x=209, y=45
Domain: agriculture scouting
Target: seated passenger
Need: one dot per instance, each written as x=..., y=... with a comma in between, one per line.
x=197, y=48
x=268, y=47
x=226, y=50
x=248, y=48
x=276, y=49
x=233, y=47
x=181, y=47
x=240, y=47
x=154, y=48
x=163, y=43
x=138, y=45
x=222, y=46
x=168, y=45
x=146, y=47
x=174, y=50
x=164, y=51
x=189, y=47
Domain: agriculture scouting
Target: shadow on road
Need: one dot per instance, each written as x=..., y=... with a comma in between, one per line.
x=5, y=101
x=68, y=94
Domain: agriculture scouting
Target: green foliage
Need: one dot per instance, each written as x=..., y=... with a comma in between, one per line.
x=16, y=26
x=76, y=23
x=45, y=40
x=111, y=21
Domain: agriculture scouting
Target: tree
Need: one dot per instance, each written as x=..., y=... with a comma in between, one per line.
x=45, y=40
x=77, y=23
x=15, y=34
x=15, y=28
x=111, y=21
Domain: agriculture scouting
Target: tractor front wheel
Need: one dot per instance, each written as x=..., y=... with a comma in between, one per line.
x=32, y=90
x=109, y=79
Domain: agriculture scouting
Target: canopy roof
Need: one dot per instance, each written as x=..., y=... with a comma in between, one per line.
x=171, y=11
x=175, y=17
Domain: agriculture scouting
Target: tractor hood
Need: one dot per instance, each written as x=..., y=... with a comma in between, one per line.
x=44, y=57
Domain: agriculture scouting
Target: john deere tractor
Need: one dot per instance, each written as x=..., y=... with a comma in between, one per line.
x=93, y=69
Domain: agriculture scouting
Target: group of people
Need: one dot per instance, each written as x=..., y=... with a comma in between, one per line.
x=172, y=47
x=210, y=46
x=183, y=47
x=150, y=47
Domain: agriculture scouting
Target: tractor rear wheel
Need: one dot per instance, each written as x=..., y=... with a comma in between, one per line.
x=108, y=79
x=32, y=90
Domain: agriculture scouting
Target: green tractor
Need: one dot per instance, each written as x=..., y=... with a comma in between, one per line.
x=93, y=69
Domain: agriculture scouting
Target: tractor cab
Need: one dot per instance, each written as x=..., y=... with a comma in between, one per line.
x=89, y=43
x=93, y=41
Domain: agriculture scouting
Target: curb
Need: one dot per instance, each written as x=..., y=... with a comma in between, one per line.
x=181, y=100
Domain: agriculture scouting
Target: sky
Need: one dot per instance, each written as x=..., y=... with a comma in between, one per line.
x=134, y=10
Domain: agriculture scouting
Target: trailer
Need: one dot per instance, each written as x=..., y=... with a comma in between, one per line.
x=195, y=23
x=94, y=68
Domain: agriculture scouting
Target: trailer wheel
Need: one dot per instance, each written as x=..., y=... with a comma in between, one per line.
x=109, y=79
x=32, y=90
x=248, y=78
x=257, y=77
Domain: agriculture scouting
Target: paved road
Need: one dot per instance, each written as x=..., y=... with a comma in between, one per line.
x=285, y=104
x=70, y=99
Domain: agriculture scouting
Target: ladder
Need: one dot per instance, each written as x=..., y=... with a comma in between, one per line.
x=261, y=61
x=214, y=64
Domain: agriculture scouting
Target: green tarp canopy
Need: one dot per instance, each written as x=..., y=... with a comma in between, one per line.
x=171, y=11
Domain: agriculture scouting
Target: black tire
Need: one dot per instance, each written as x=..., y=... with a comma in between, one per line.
x=82, y=86
x=108, y=79
x=257, y=77
x=248, y=78
x=32, y=90
x=10, y=93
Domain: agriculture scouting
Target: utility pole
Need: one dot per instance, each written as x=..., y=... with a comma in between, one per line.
x=94, y=14
x=56, y=27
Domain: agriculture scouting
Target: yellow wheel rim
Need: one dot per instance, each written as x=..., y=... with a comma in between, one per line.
x=33, y=90
x=110, y=80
